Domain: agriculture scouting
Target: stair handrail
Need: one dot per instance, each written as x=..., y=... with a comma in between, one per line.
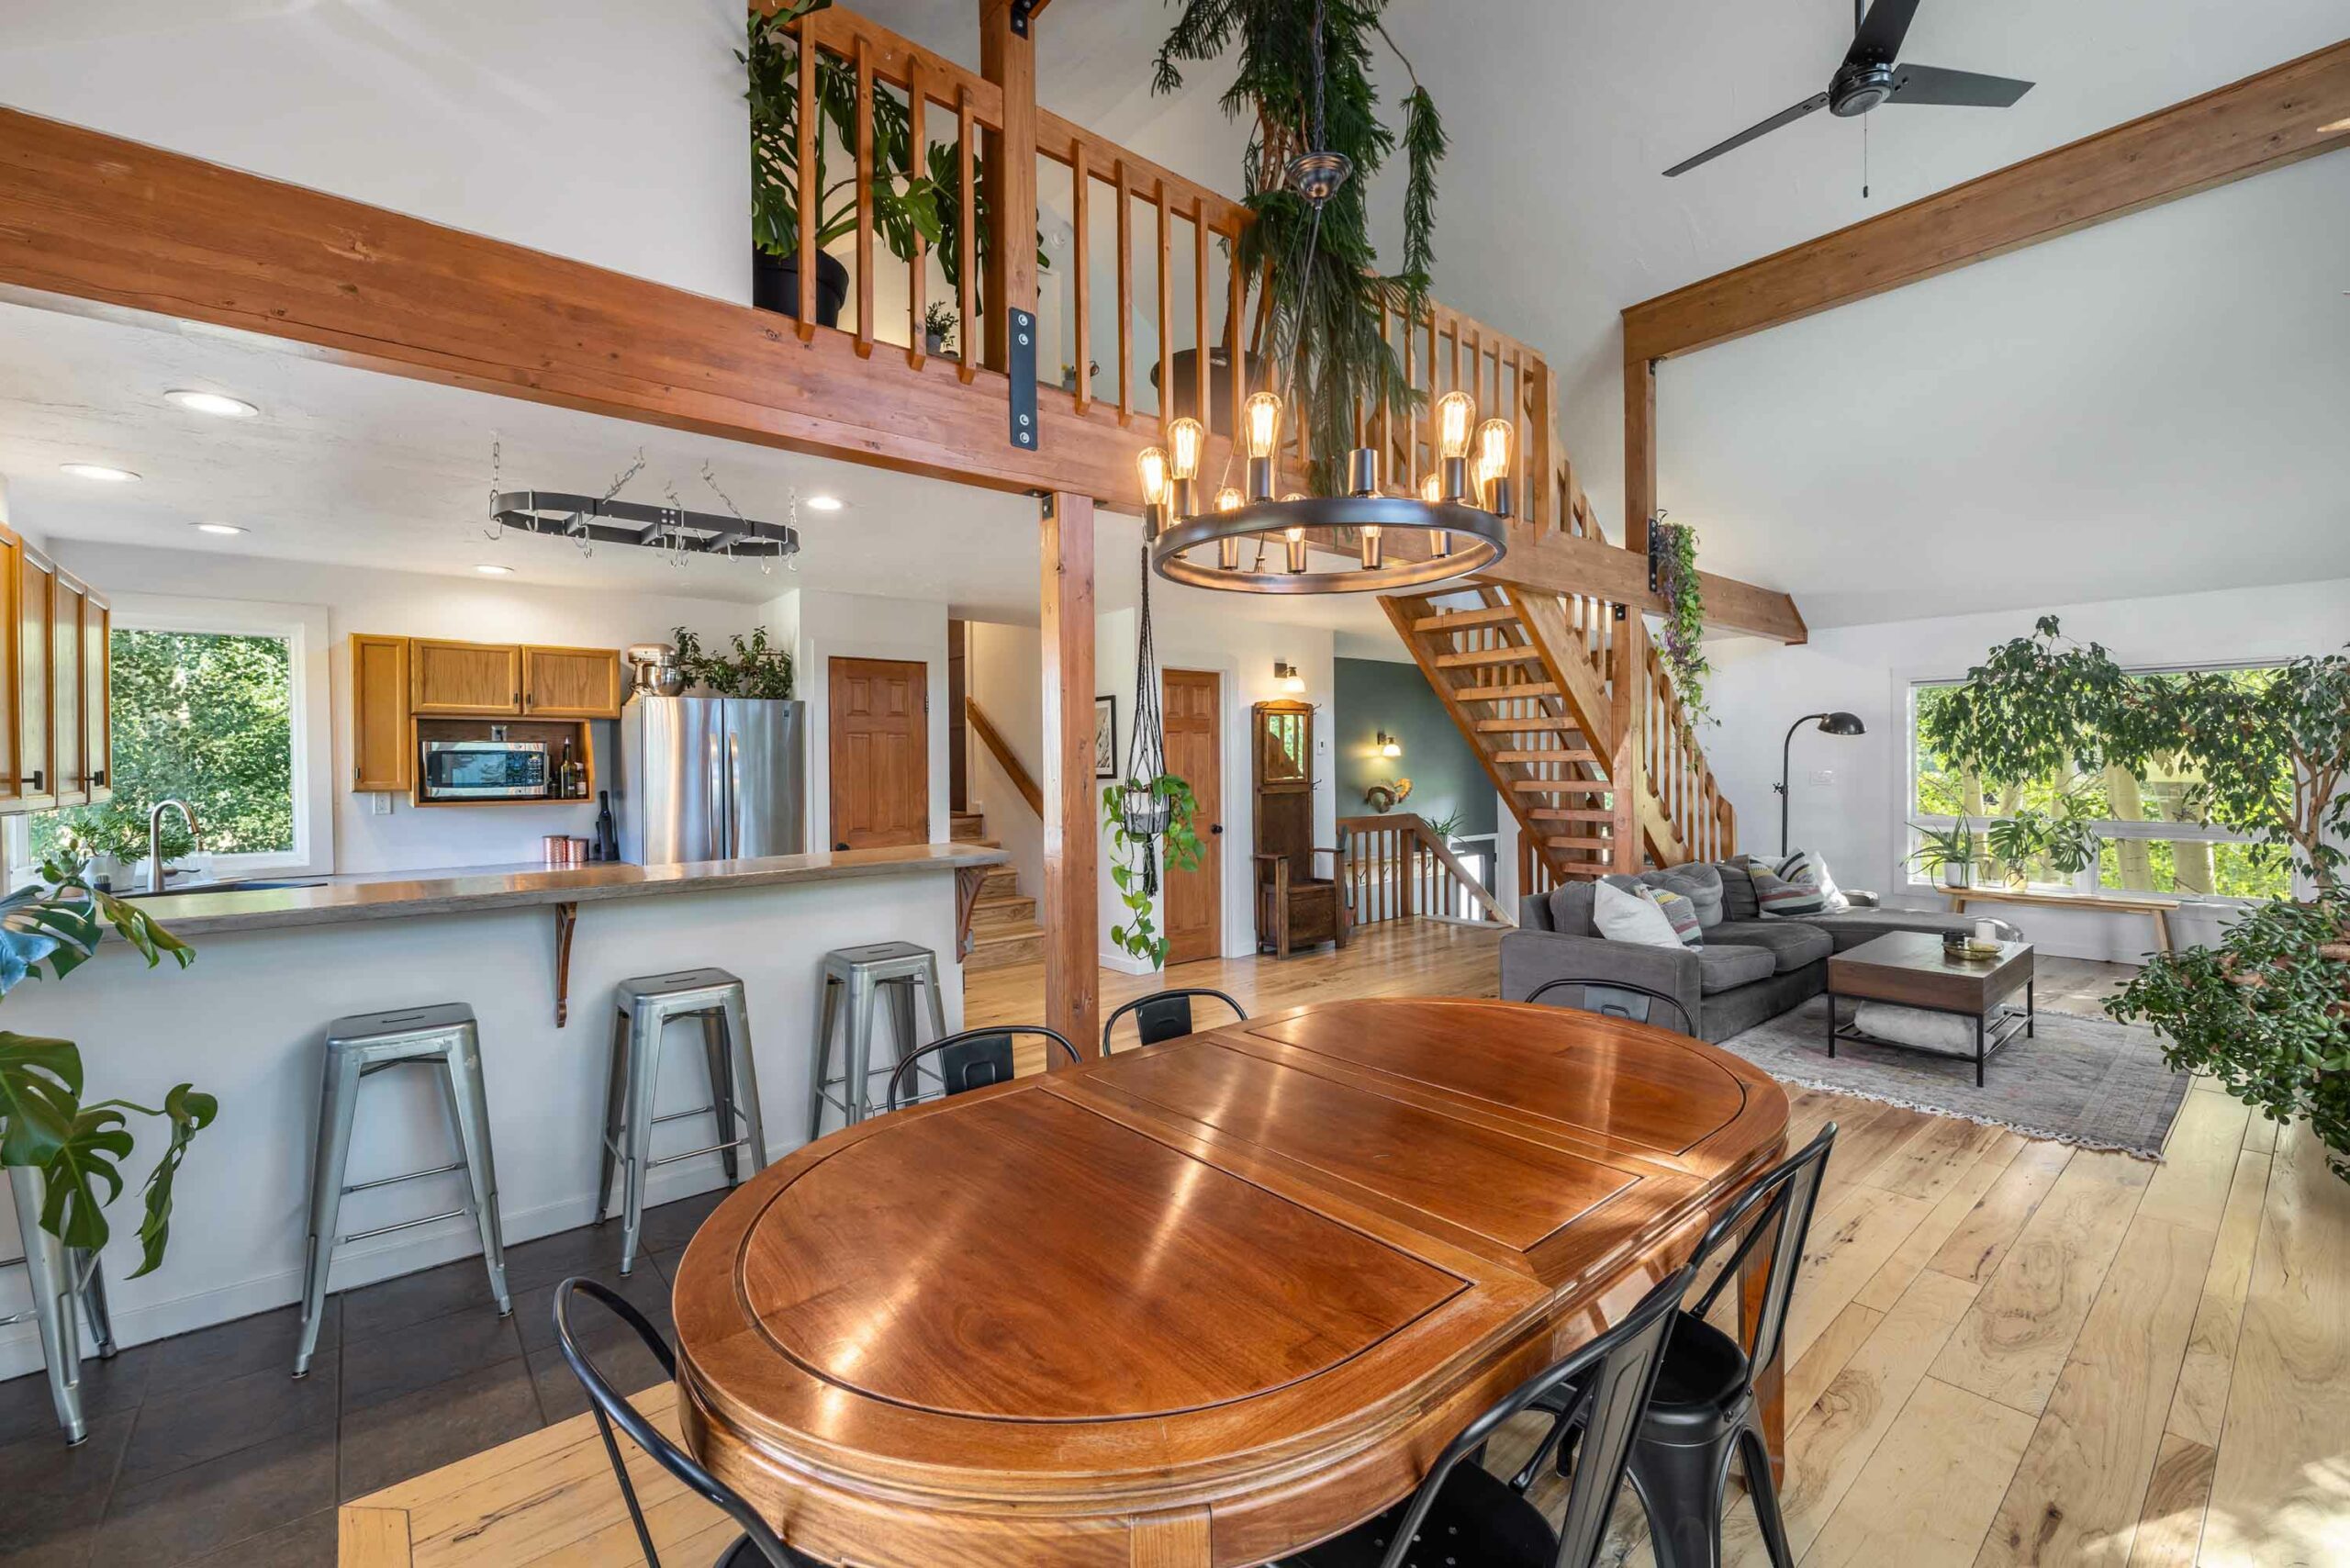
x=1000, y=749
x=1408, y=825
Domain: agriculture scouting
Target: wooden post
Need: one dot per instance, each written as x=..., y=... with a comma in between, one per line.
x=1072, y=842
x=1008, y=59
x=1639, y=452
x=1628, y=710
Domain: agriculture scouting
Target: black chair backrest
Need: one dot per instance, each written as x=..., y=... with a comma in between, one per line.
x=1617, y=999
x=1613, y=1375
x=1166, y=1014
x=1777, y=1209
x=612, y=1410
x=972, y=1059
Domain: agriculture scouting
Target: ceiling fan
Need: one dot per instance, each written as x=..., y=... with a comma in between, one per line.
x=1870, y=76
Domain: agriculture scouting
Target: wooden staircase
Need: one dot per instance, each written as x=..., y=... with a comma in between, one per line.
x=1532, y=679
x=1003, y=923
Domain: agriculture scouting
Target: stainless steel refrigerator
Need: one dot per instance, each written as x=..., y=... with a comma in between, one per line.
x=711, y=778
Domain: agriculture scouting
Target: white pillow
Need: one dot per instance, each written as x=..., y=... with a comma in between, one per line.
x=1631, y=917
x=1804, y=866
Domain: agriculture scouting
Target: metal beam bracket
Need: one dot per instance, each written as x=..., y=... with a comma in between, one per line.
x=1021, y=11
x=1023, y=366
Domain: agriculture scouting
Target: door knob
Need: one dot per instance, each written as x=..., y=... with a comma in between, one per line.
x=843, y=844
x=1215, y=827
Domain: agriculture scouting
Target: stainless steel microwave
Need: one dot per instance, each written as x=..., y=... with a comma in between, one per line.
x=484, y=770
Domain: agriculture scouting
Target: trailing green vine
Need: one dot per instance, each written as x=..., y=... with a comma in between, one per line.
x=1137, y=885
x=1681, y=644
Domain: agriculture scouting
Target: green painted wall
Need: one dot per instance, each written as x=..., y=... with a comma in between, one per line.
x=1376, y=694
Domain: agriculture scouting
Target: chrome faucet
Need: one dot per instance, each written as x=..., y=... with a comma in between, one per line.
x=155, y=839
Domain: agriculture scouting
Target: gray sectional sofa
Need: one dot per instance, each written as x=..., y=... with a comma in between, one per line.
x=1750, y=967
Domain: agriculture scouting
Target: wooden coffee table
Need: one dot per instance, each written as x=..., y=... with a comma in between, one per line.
x=1908, y=968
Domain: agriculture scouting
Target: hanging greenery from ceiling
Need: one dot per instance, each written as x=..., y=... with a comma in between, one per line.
x=1680, y=644
x=1327, y=295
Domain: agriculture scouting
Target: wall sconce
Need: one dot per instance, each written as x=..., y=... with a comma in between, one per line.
x=1389, y=745
x=1286, y=677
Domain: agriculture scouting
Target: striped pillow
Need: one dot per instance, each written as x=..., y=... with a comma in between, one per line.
x=1804, y=866
x=1784, y=899
x=1683, y=912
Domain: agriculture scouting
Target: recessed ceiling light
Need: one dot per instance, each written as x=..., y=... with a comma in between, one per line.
x=493, y=571
x=826, y=503
x=218, y=528
x=99, y=471
x=217, y=403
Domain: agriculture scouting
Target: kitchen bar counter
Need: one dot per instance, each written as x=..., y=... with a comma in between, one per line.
x=341, y=901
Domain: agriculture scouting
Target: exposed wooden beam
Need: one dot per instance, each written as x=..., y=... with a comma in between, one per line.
x=1008, y=61
x=1640, y=452
x=2297, y=110
x=1073, y=844
x=1567, y=563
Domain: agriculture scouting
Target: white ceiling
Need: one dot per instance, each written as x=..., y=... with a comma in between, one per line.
x=1553, y=217
x=361, y=468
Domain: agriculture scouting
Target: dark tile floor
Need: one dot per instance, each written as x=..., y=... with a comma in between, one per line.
x=204, y=1449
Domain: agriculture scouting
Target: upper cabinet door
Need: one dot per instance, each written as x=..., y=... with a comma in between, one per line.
x=97, y=695
x=571, y=683
x=381, y=754
x=11, y=694
x=464, y=677
x=36, y=692
x=69, y=734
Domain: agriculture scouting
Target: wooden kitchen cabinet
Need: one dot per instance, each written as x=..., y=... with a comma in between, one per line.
x=381, y=754
x=464, y=678
x=97, y=693
x=69, y=748
x=56, y=686
x=36, y=660
x=571, y=683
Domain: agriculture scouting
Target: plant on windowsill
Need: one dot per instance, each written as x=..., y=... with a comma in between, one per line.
x=938, y=323
x=1680, y=642
x=755, y=671
x=2267, y=1009
x=2064, y=839
x=1141, y=815
x=1947, y=851
x=48, y=929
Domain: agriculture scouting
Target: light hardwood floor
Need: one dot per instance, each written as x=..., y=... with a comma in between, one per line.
x=2004, y=1351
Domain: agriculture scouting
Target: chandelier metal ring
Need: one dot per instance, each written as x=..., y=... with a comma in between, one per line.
x=1478, y=539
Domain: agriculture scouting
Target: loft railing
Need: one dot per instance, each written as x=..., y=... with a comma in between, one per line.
x=1398, y=868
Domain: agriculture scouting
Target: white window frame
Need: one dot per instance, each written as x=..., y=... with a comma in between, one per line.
x=2088, y=882
x=309, y=719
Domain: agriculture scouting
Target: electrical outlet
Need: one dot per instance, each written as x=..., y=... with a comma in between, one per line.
x=1822, y=778
x=383, y=802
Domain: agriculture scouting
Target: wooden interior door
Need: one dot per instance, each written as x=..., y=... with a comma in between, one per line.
x=881, y=752
x=1194, y=906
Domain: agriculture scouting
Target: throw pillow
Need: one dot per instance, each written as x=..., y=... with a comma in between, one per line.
x=1784, y=899
x=1683, y=913
x=1804, y=866
x=1631, y=917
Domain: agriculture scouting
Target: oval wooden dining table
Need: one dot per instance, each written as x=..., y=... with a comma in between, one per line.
x=1200, y=1304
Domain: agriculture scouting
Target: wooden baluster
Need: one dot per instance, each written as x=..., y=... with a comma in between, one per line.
x=1125, y=295
x=809, y=194
x=1199, y=316
x=864, y=199
x=917, y=266
x=1166, y=312
x=1411, y=421
x=1236, y=306
x=1081, y=204
x=966, y=234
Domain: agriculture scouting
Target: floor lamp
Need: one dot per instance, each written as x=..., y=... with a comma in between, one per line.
x=1830, y=724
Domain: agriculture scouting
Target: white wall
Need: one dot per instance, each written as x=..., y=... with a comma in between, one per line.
x=477, y=610
x=824, y=626
x=1856, y=818
x=615, y=133
x=1003, y=670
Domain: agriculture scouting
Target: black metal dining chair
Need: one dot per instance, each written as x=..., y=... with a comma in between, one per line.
x=1464, y=1514
x=972, y=1059
x=1167, y=1014
x=1616, y=999
x=1705, y=1412
x=758, y=1544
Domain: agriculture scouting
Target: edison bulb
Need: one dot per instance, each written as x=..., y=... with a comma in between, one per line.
x=1152, y=466
x=1227, y=500
x=1453, y=412
x=1494, y=439
x=1185, y=438
x=1431, y=488
x=1261, y=418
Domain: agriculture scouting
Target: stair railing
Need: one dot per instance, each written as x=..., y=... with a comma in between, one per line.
x=1397, y=867
x=1005, y=757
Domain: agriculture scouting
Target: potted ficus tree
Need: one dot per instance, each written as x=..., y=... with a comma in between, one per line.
x=2266, y=1010
x=48, y=930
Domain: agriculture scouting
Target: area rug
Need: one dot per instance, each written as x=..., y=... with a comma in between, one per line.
x=2081, y=1081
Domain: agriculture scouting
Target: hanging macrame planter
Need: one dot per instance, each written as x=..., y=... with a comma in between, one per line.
x=1144, y=811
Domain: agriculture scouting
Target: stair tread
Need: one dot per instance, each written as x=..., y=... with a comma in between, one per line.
x=1503, y=693
x=1545, y=754
x=1528, y=723
x=1478, y=657
x=1560, y=786
x=1502, y=615
x=1571, y=814
x=1571, y=843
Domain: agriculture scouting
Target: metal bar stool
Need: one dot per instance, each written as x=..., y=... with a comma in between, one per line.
x=646, y=1006
x=864, y=973
x=443, y=1037
x=60, y=1277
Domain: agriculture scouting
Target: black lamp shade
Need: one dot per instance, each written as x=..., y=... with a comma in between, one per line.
x=1842, y=724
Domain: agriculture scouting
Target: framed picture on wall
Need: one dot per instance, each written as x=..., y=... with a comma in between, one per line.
x=1105, y=737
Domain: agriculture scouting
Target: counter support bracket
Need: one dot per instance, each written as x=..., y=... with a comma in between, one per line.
x=566, y=917
x=968, y=880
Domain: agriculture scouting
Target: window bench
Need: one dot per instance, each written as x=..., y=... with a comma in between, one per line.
x=2159, y=908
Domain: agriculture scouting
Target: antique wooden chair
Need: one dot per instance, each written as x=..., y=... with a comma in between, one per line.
x=1295, y=905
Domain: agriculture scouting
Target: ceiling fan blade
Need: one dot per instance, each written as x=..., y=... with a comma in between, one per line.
x=1932, y=85
x=1879, y=36
x=1784, y=117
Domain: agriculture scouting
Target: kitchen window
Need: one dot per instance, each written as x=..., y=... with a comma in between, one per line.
x=2149, y=841
x=219, y=704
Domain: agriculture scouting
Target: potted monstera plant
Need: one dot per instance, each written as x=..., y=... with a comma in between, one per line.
x=48, y=930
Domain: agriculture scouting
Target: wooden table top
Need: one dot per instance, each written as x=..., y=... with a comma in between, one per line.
x=1911, y=967
x=1200, y=1304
